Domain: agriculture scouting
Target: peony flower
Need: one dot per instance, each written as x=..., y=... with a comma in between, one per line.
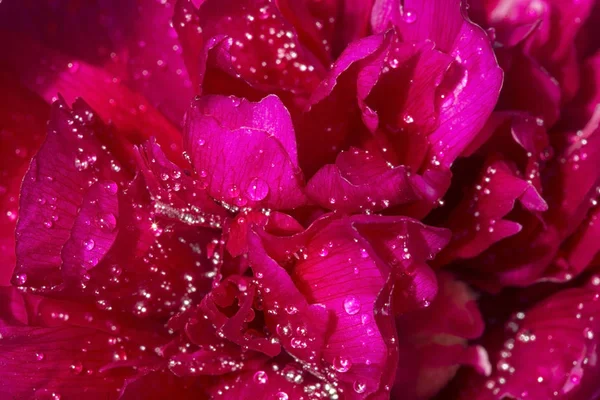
x=313, y=199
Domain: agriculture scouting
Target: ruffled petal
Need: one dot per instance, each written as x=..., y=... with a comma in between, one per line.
x=71, y=187
x=545, y=351
x=90, y=232
x=332, y=116
x=258, y=47
x=54, y=349
x=22, y=127
x=327, y=262
x=479, y=220
x=361, y=182
x=471, y=88
x=247, y=151
x=433, y=342
x=60, y=75
x=134, y=41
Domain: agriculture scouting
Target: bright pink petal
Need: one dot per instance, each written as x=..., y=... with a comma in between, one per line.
x=545, y=351
x=246, y=150
x=53, y=349
x=343, y=266
x=360, y=181
x=22, y=127
x=261, y=48
x=433, y=342
x=479, y=220
x=68, y=201
x=471, y=89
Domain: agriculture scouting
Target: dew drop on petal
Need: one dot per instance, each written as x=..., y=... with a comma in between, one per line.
x=258, y=189
x=76, y=367
x=111, y=187
x=106, y=222
x=21, y=279
x=359, y=387
x=261, y=377
x=341, y=364
x=281, y=396
x=351, y=305
x=89, y=244
x=409, y=16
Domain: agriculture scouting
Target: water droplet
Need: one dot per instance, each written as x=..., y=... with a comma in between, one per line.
x=89, y=244
x=409, y=16
x=258, y=189
x=233, y=191
x=40, y=356
x=21, y=279
x=323, y=252
x=298, y=343
x=76, y=367
x=106, y=222
x=261, y=377
x=351, y=305
x=281, y=396
x=283, y=330
x=291, y=310
x=48, y=224
x=111, y=187
x=359, y=387
x=341, y=364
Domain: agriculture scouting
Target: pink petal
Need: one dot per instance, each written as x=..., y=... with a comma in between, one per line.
x=359, y=181
x=132, y=40
x=276, y=381
x=246, y=150
x=53, y=349
x=328, y=261
x=545, y=351
x=479, y=220
x=132, y=115
x=433, y=342
x=22, y=126
x=332, y=112
x=476, y=79
x=68, y=200
x=250, y=50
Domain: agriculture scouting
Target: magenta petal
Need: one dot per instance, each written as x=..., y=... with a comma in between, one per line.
x=348, y=267
x=274, y=381
x=161, y=385
x=333, y=108
x=22, y=125
x=68, y=201
x=51, y=349
x=360, y=181
x=433, y=342
x=59, y=75
x=471, y=93
x=233, y=328
x=546, y=351
x=158, y=264
x=177, y=193
x=133, y=40
x=259, y=45
x=247, y=151
x=299, y=325
x=479, y=220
